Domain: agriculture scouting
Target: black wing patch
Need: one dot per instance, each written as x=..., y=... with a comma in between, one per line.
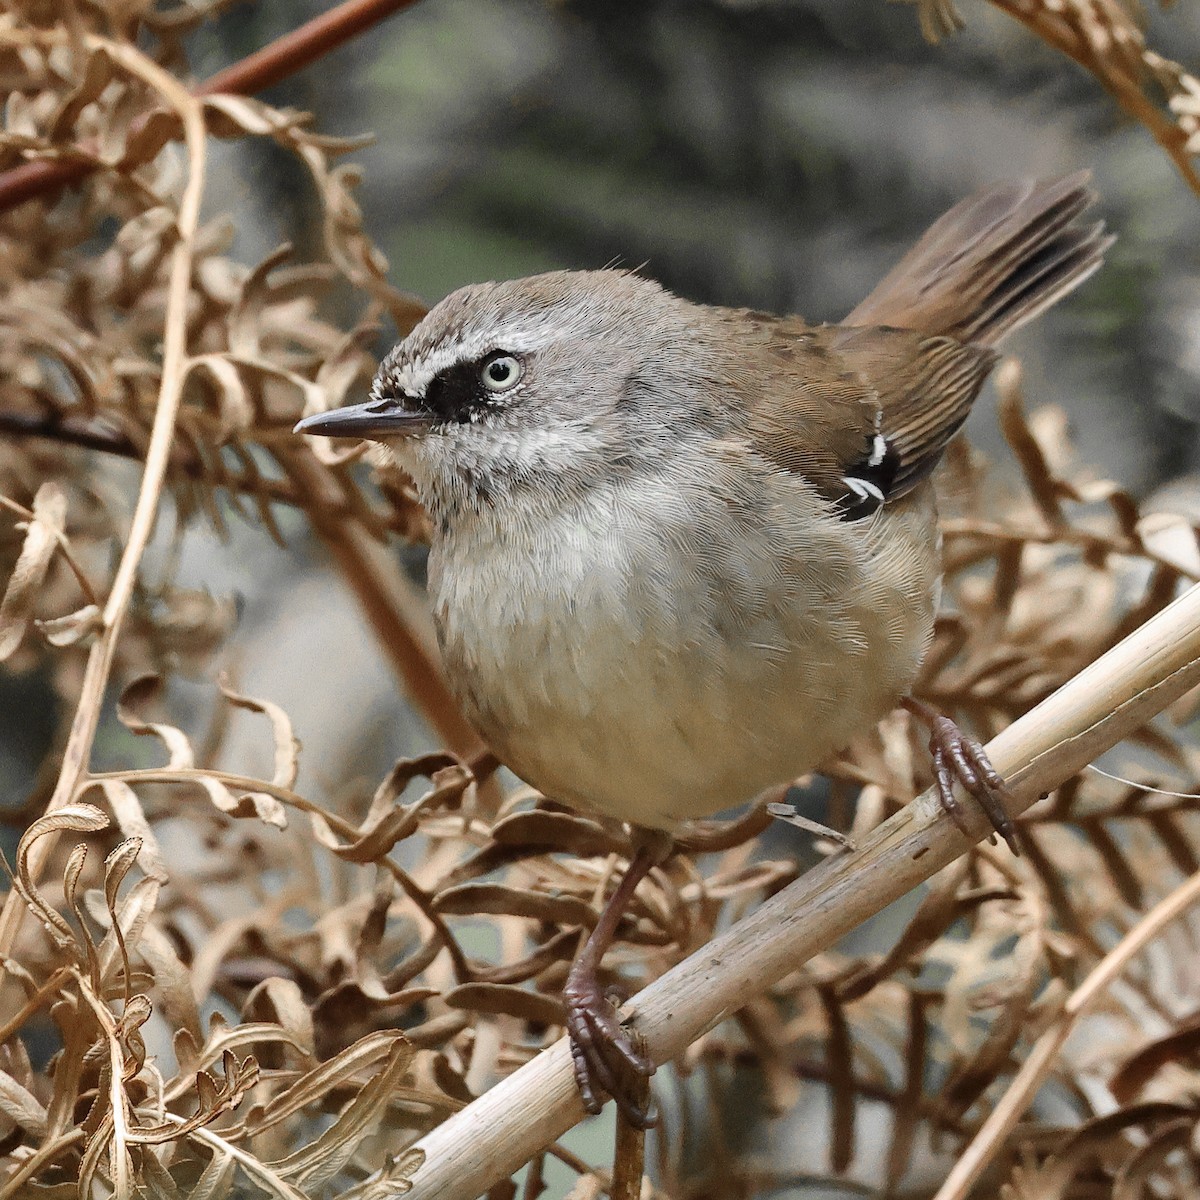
x=869, y=481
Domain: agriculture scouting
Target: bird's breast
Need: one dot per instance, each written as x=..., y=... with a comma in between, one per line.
x=657, y=651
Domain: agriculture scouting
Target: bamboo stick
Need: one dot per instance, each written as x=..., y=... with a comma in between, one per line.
x=1120, y=692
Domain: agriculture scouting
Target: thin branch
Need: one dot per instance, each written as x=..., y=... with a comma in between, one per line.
x=1119, y=693
x=1001, y=1121
x=100, y=658
x=118, y=1101
x=48, y=991
x=263, y=69
x=40, y=1158
x=87, y=436
x=301, y=47
x=396, y=613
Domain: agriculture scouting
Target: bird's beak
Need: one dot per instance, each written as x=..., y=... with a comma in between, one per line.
x=375, y=419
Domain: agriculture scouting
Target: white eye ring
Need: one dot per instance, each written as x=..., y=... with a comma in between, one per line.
x=501, y=372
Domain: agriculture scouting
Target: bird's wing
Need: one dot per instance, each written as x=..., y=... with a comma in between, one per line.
x=866, y=412
x=910, y=360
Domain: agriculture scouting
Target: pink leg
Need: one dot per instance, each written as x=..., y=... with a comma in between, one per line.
x=601, y=1048
x=957, y=757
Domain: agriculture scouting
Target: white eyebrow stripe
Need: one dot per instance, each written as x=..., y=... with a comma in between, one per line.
x=413, y=377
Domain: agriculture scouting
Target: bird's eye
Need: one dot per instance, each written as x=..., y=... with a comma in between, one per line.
x=501, y=372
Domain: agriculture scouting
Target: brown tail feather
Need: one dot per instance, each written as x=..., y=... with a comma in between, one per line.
x=993, y=262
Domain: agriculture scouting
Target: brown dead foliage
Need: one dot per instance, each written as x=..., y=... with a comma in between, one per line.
x=245, y=991
x=1105, y=37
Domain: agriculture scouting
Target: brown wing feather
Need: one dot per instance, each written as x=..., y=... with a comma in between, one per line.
x=910, y=360
x=913, y=390
x=822, y=419
x=925, y=388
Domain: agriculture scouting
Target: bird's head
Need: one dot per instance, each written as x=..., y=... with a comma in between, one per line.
x=536, y=383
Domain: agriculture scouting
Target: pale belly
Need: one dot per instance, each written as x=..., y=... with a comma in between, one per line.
x=619, y=685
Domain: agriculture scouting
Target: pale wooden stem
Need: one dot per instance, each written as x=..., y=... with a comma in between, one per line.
x=1116, y=695
x=170, y=396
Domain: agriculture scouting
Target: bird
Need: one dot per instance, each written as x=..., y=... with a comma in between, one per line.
x=681, y=553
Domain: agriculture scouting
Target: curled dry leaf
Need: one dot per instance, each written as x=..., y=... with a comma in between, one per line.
x=116, y=867
x=496, y=899
x=74, y=818
x=287, y=746
x=221, y=1039
x=504, y=999
x=233, y=408
x=386, y=823
x=42, y=535
x=214, y=1097
x=283, y=999
x=72, y=870
x=260, y=805
x=343, y=1070
x=394, y=1179
x=74, y=629
x=557, y=831
x=322, y=1159
x=131, y=819
x=141, y=693
x=21, y=1107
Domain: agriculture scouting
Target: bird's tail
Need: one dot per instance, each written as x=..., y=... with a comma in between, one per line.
x=993, y=262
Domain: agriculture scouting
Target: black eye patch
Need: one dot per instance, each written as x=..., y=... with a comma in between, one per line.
x=457, y=394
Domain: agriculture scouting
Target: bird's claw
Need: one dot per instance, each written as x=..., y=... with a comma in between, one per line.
x=606, y=1057
x=959, y=757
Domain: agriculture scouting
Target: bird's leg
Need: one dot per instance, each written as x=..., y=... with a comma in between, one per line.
x=957, y=757
x=601, y=1048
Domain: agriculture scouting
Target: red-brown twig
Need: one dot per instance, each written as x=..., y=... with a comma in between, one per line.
x=282, y=58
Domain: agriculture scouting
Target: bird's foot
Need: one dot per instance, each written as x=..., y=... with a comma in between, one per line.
x=604, y=1052
x=959, y=758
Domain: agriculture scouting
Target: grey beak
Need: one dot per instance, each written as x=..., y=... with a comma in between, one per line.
x=377, y=418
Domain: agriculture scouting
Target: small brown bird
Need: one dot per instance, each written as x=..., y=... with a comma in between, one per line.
x=682, y=553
